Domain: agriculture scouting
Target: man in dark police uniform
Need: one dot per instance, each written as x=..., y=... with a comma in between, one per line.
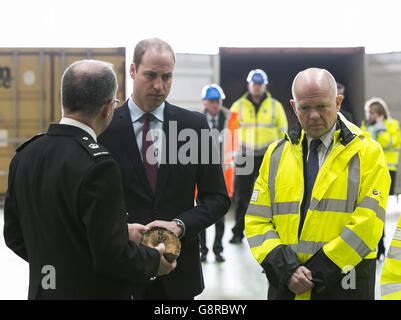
x=64, y=210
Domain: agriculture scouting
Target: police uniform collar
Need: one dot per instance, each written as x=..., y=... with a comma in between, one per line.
x=79, y=124
x=94, y=150
x=68, y=130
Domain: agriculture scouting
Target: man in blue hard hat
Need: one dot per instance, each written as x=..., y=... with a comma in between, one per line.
x=262, y=120
x=223, y=120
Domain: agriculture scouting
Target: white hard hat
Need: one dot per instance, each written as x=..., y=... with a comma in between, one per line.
x=257, y=76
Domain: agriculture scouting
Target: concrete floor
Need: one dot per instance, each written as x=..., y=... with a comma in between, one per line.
x=238, y=278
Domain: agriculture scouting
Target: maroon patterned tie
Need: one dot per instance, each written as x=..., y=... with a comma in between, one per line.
x=148, y=155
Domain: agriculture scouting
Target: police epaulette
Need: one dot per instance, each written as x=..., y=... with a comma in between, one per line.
x=22, y=146
x=95, y=150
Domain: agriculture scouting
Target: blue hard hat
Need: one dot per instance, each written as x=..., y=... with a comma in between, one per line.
x=257, y=76
x=212, y=91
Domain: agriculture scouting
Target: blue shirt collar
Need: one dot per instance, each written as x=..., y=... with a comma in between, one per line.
x=137, y=113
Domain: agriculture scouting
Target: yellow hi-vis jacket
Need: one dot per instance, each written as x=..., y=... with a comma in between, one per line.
x=390, y=140
x=390, y=282
x=259, y=130
x=345, y=219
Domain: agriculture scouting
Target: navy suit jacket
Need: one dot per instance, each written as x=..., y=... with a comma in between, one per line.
x=175, y=190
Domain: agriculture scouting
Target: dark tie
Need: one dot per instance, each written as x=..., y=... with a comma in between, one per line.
x=214, y=125
x=311, y=172
x=148, y=155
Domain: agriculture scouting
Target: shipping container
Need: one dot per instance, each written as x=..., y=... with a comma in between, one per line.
x=30, y=92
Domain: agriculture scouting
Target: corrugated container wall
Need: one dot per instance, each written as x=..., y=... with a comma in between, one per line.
x=30, y=92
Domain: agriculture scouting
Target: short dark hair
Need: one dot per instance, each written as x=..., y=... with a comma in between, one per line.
x=87, y=85
x=143, y=45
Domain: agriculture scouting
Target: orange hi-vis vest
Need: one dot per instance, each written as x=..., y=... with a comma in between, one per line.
x=230, y=149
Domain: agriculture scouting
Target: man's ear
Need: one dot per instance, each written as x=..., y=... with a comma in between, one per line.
x=339, y=99
x=292, y=102
x=132, y=70
x=107, y=109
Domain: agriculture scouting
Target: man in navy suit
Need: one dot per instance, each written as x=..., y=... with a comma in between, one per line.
x=165, y=153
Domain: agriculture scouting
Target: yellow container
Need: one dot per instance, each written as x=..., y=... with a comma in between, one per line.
x=30, y=92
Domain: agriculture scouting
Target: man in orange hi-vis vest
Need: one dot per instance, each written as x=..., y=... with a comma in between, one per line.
x=223, y=124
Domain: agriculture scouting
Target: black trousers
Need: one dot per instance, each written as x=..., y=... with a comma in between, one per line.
x=218, y=243
x=380, y=246
x=393, y=174
x=243, y=185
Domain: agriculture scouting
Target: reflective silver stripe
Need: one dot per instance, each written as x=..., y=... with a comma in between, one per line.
x=248, y=125
x=273, y=167
x=389, y=288
x=337, y=205
x=394, y=253
x=228, y=166
x=333, y=205
x=240, y=113
x=265, y=125
x=229, y=155
x=356, y=243
x=257, y=241
x=285, y=207
x=309, y=247
x=259, y=211
x=273, y=110
x=397, y=234
x=306, y=247
x=373, y=204
x=293, y=247
x=354, y=176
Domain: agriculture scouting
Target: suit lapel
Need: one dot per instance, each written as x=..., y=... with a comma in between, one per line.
x=222, y=119
x=132, y=149
x=164, y=168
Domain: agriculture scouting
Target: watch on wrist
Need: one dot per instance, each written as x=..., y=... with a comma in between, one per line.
x=182, y=225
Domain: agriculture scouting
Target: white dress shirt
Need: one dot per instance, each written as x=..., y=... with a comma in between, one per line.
x=210, y=122
x=155, y=126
